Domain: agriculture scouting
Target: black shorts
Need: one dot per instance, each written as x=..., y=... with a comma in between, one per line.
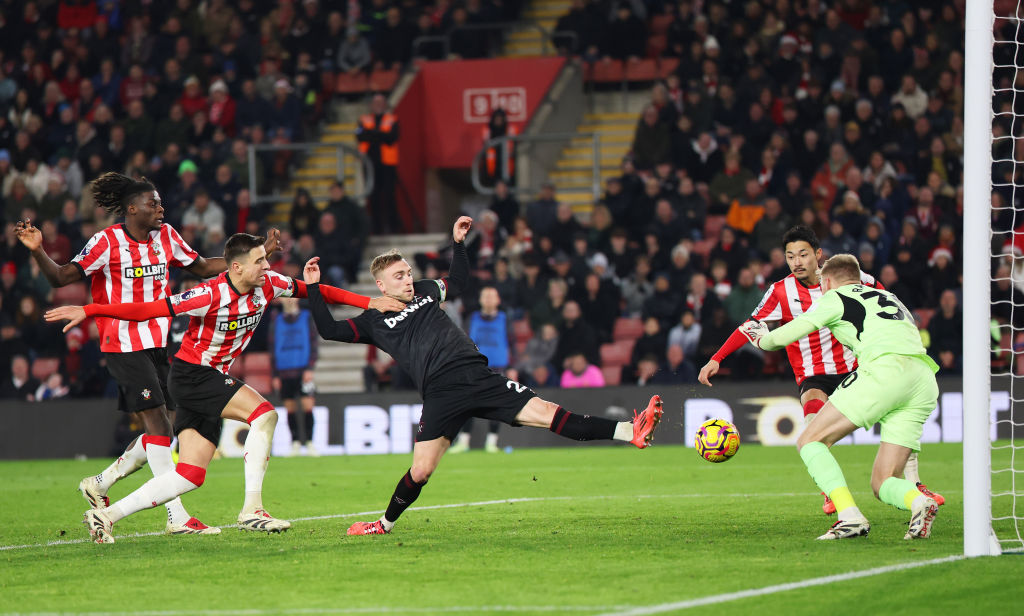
x=141, y=379
x=825, y=382
x=473, y=391
x=202, y=393
x=293, y=387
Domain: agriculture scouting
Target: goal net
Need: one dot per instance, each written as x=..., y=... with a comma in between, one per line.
x=993, y=277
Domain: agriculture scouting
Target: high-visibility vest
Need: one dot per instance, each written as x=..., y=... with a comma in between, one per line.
x=388, y=153
x=492, y=154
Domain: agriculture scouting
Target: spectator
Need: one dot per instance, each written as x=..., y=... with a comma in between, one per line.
x=663, y=302
x=221, y=108
x=353, y=223
x=541, y=214
x=686, y=335
x=575, y=336
x=202, y=216
x=676, y=369
x=52, y=389
x=599, y=302
x=354, y=53
x=581, y=373
x=830, y=176
x=539, y=352
x=744, y=297
x=851, y=214
x=769, y=228
x=945, y=329
x=378, y=134
x=303, y=214
x=651, y=140
x=692, y=208
x=285, y=112
x=912, y=97
x=490, y=328
x=624, y=37
x=20, y=385
x=392, y=44
x=505, y=205
x=584, y=19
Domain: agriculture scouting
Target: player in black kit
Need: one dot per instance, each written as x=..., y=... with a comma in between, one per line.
x=450, y=372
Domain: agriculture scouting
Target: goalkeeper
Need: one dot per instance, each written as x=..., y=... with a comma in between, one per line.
x=894, y=386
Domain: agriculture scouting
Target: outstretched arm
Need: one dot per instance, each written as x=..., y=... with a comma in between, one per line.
x=782, y=336
x=342, y=331
x=710, y=369
x=142, y=311
x=334, y=295
x=57, y=275
x=458, y=272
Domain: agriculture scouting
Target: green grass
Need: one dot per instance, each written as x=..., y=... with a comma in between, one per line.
x=611, y=528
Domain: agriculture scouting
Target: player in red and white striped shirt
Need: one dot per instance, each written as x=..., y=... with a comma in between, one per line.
x=225, y=312
x=129, y=262
x=820, y=362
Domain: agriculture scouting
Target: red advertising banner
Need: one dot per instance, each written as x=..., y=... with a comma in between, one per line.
x=444, y=112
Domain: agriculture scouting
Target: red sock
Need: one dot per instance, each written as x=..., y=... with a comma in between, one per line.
x=813, y=406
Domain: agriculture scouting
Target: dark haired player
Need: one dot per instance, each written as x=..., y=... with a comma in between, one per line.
x=127, y=262
x=225, y=312
x=819, y=361
x=450, y=372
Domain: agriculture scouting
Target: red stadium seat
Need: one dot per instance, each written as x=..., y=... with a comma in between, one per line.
x=43, y=367
x=703, y=247
x=713, y=226
x=642, y=70
x=607, y=72
x=660, y=23
x=384, y=81
x=923, y=316
x=75, y=294
x=521, y=330
x=612, y=375
x=667, y=66
x=351, y=84
x=616, y=353
x=260, y=382
x=257, y=363
x=656, y=45
x=627, y=329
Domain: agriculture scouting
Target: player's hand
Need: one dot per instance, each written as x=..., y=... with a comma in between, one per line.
x=275, y=384
x=311, y=272
x=754, y=331
x=76, y=314
x=31, y=237
x=709, y=370
x=386, y=304
x=462, y=227
x=273, y=243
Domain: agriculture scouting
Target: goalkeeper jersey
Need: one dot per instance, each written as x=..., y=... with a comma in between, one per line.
x=870, y=322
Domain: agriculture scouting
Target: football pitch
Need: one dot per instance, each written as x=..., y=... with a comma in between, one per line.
x=577, y=530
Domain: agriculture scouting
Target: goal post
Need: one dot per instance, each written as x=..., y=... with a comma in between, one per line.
x=979, y=539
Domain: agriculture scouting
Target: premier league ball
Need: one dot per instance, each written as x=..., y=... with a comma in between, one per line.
x=717, y=440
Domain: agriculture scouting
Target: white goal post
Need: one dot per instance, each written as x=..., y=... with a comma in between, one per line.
x=979, y=538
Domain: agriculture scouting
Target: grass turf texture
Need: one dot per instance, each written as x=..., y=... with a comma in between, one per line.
x=612, y=528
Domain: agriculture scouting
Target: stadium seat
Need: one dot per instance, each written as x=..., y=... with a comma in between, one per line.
x=713, y=226
x=351, y=84
x=260, y=382
x=612, y=375
x=384, y=81
x=703, y=247
x=521, y=330
x=257, y=364
x=667, y=66
x=642, y=70
x=43, y=367
x=237, y=370
x=606, y=72
x=923, y=316
x=74, y=294
x=660, y=24
x=616, y=353
x=627, y=329
x=656, y=45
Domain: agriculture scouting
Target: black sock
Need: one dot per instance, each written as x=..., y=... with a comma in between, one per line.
x=582, y=427
x=293, y=425
x=309, y=425
x=406, y=493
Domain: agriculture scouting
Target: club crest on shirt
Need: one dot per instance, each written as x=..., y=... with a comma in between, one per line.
x=146, y=394
x=156, y=249
x=229, y=382
x=255, y=302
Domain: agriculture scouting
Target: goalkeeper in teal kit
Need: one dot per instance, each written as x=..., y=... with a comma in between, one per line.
x=894, y=386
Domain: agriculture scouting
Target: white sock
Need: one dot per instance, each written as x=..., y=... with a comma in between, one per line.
x=492, y=440
x=623, y=431
x=388, y=525
x=156, y=491
x=160, y=462
x=850, y=513
x=257, y=456
x=910, y=471
x=462, y=440
x=127, y=463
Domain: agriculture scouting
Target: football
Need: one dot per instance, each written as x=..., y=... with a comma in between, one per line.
x=717, y=440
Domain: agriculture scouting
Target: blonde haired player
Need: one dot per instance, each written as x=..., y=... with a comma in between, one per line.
x=894, y=386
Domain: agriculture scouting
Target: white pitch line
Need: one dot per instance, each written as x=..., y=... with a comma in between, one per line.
x=770, y=590
x=503, y=501
x=447, y=609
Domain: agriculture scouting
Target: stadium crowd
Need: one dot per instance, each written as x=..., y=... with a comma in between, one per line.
x=845, y=118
